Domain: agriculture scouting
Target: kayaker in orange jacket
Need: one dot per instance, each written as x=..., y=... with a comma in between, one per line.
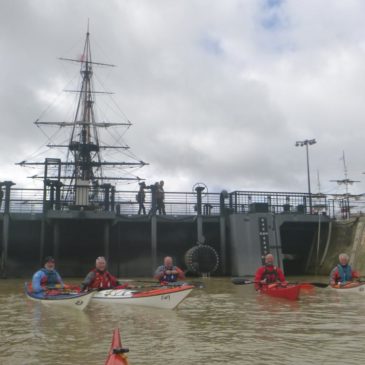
x=342, y=273
x=99, y=277
x=168, y=272
x=269, y=274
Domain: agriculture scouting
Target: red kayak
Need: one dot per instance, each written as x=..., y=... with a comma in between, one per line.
x=117, y=352
x=290, y=292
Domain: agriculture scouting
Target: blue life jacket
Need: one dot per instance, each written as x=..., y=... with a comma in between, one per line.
x=51, y=277
x=345, y=273
x=169, y=278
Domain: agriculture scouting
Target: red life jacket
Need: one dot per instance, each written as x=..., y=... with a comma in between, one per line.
x=271, y=276
x=103, y=280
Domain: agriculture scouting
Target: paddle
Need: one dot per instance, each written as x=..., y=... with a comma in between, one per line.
x=196, y=284
x=245, y=281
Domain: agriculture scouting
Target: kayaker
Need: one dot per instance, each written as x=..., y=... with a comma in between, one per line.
x=47, y=277
x=168, y=272
x=99, y=277
x=343, y=273
x=269, y=274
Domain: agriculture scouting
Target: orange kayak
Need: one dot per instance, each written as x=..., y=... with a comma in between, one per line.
x=117, y=352
x=290, y=292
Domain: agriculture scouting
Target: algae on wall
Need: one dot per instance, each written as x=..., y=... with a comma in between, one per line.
x=346, y=237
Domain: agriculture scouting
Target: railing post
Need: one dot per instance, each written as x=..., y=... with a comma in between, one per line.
x=6, y=224
x=112, y=198
x=222, y=229
x=199, y=190
x=106, y=196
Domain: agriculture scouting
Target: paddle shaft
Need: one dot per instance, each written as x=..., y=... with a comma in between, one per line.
x=197, y=284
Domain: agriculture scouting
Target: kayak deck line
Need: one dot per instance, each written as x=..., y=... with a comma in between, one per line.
x=154, y=292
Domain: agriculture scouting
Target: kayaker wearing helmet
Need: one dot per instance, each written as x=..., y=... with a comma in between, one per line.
x=47, y=277
x=99, y=277
x=269, y=274
x=343, y=273
x=168, y=272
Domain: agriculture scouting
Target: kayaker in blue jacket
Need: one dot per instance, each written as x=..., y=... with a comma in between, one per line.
x=342, y=273
x=47, y=277
x=168, y=272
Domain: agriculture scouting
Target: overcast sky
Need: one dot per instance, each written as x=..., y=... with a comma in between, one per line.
x=217, y=91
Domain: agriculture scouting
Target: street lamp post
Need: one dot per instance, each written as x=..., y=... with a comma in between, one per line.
x=306, y=143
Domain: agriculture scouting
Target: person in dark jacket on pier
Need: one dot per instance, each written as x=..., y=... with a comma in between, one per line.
x=168, y=272
x=269, y=274
x=342, y=273
x=160, y=197
x=141, y=197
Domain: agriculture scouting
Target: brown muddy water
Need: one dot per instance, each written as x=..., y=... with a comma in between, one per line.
x=221, y=324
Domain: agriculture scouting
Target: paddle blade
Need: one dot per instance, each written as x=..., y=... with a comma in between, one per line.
x=241, y=281
x=320, y=285
x=306, y=287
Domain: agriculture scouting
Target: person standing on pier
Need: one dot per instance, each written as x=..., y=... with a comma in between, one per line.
x=168, y=272
x=342, y=273
x=141, y=197
x=47, y=277
x=269, y=274
x=99, y=277
x=160, y=198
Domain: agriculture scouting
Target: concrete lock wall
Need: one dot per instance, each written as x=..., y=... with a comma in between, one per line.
x=291, y=238
x=251, y=237
x=76, y=242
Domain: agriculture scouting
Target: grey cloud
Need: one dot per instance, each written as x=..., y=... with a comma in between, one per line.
x=214, y=95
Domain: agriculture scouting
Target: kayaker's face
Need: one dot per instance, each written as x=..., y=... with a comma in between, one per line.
x=343, y=261
x=101, y=265
x=50, y=265
x=168, y=262
x=269, y=260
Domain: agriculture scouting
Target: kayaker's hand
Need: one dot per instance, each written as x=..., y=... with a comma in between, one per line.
x=168, y=272
x=263, y=281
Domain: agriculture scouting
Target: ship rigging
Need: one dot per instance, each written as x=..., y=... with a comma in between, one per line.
x=84, y=166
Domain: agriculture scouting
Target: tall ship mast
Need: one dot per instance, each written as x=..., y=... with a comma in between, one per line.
x=84, y=167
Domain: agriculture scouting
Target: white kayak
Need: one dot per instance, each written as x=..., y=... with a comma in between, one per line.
x=164, y=297
x=68, y=299
x=355, y=287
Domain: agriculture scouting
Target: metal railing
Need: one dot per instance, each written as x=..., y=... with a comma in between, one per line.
x=185, y=203
x=276, y=202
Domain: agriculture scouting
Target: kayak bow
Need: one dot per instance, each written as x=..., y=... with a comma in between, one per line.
x=117, y=352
